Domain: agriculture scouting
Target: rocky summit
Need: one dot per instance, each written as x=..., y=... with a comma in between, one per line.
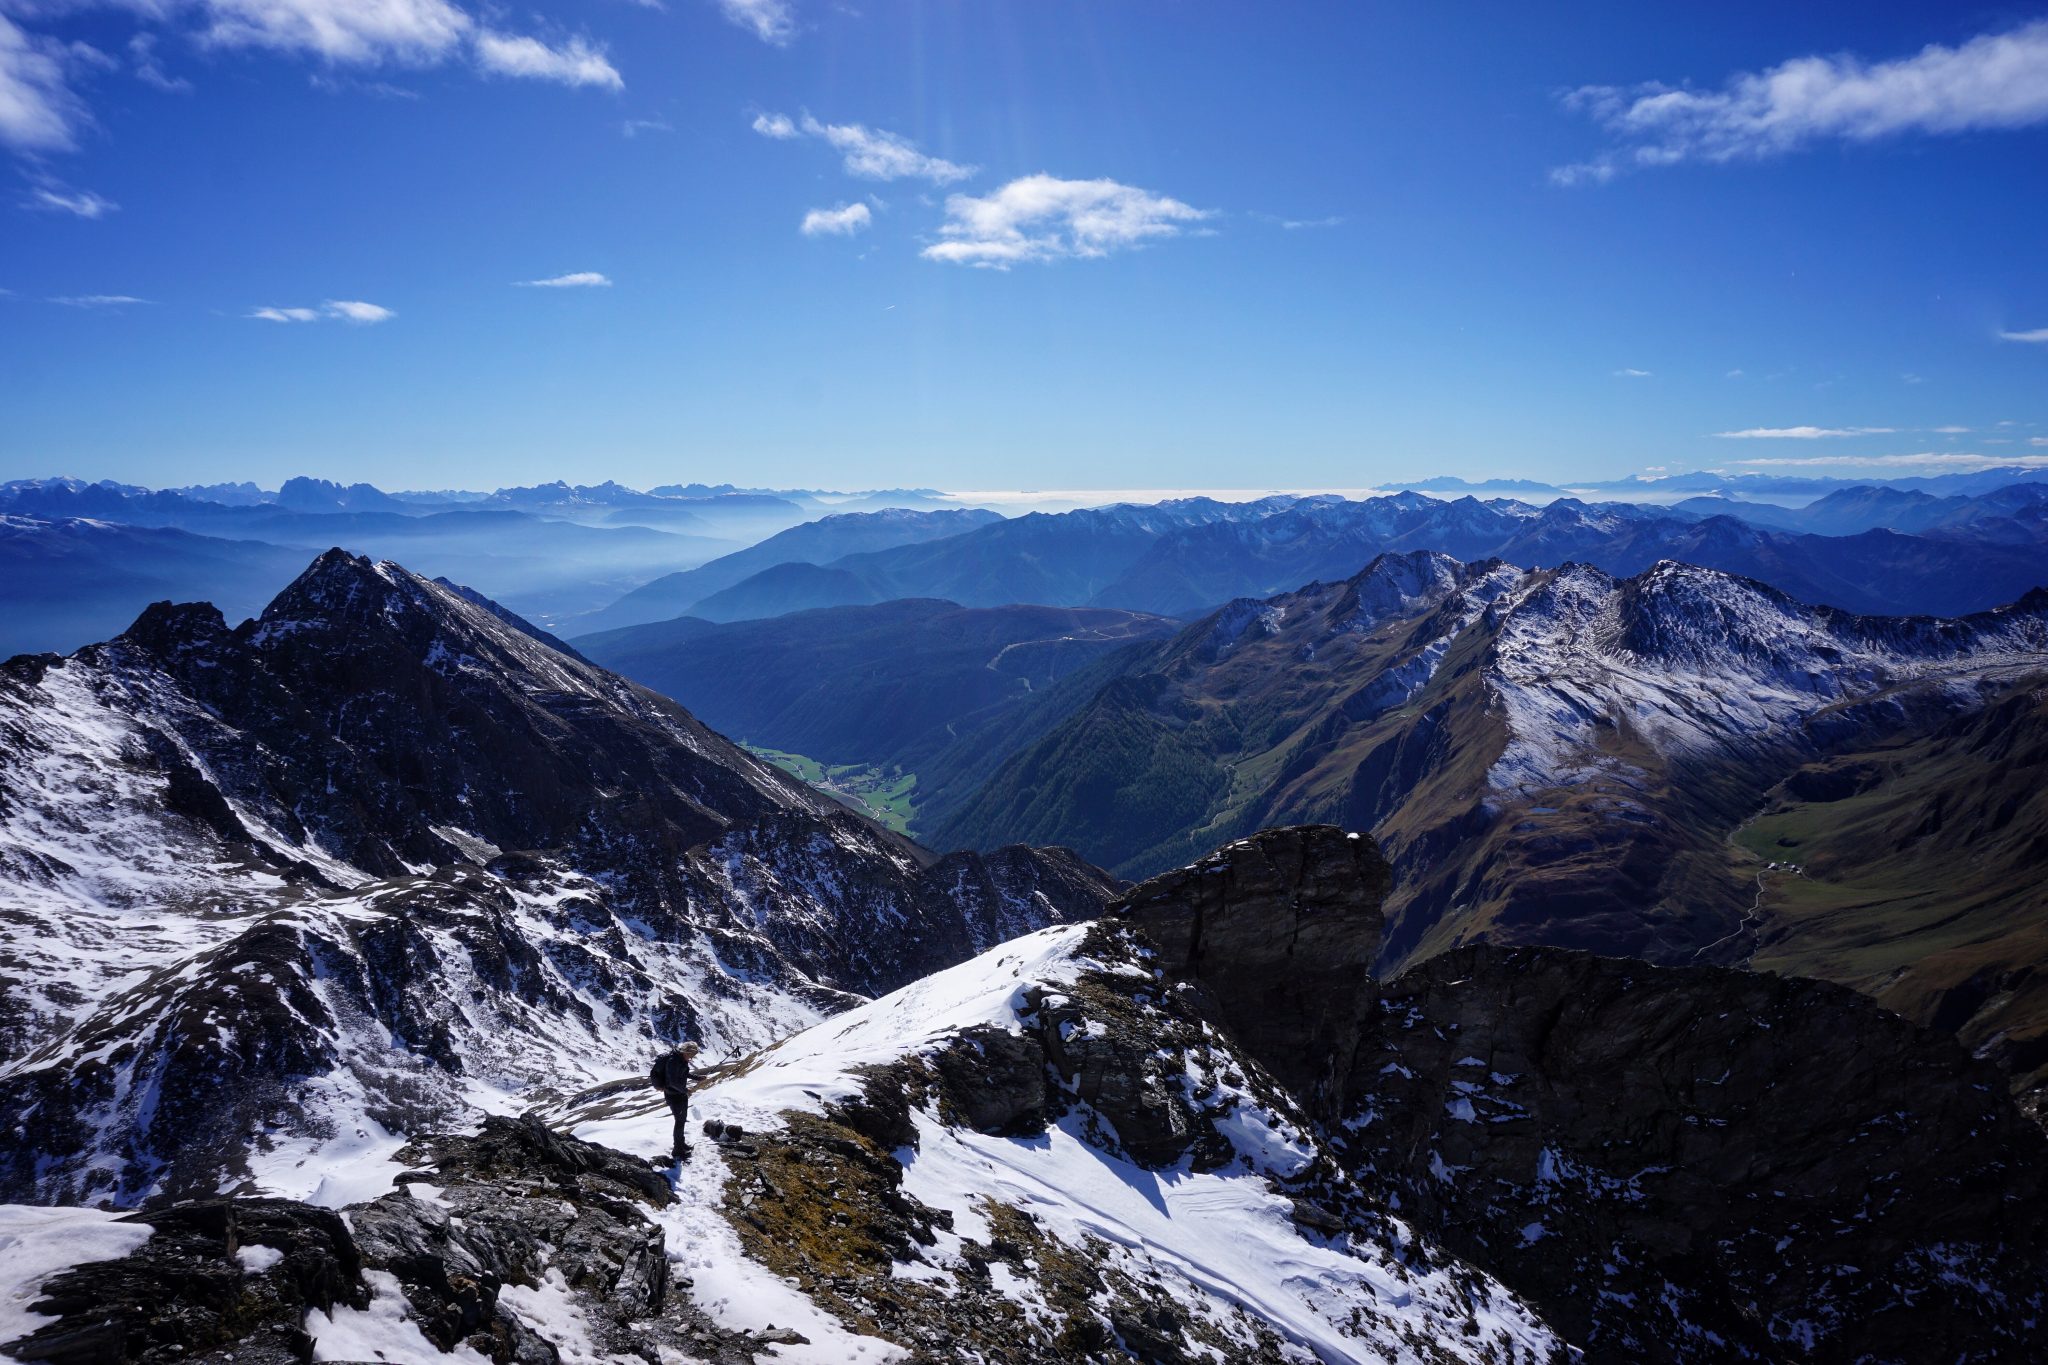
x=1195, y=1129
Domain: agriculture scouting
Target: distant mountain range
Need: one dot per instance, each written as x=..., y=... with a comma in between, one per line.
x=2015, y=514
x=584, y=558
x=813, y=542
x=1186, y=557
x=69, y=581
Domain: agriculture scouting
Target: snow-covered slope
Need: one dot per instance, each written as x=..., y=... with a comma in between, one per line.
x=1230, y=1249
x=387, y=856
x=1692, y=661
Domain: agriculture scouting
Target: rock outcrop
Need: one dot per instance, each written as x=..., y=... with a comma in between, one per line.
x=499, y=1244
x=1282, y=930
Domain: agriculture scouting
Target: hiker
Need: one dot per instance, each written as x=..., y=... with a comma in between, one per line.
x=671, y=1076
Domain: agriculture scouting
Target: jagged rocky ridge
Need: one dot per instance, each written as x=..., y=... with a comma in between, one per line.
x=1194, y=1130
x=272, y=896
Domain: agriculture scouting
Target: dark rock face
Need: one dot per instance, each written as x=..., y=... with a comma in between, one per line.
x=186, y=1291
x=1282, y=930
x=1672, y=1164
x=1684, y=1164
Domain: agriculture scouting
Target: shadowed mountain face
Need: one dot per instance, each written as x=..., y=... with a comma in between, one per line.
x=1184, y=559
x=1198, y=1128
x=385, y=850
x=1562, y=757
x=889, y=684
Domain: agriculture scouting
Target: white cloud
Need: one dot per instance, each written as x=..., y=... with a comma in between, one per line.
x=1297, y=224
x=1040, y=218
x=2038, y=335
x=355, y=310
x=779, y=126
x=1626, y=373
x=1992, y=81
x=633, y=127
x=98, y=300
x=875, y=154
x=842, y=221
x=576, y=62
x=579, y=279
x=1930, y=459
x=1735, y=374
x=1951, y=431
x=353, y=32
x=339, y=310
x=38, y=111
x=1800, y=433
x=56, y=199
x=772, y=21
x=2037, y=440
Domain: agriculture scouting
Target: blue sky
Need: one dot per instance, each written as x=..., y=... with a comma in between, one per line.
x=1124, y=243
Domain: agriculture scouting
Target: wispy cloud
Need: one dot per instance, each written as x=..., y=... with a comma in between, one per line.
x=1951, y=431
x=57, y=199
x=1994, y=81
x=1626, y=373
x=633, y=127
x=1296, y=224
x=355, y=310
x=38, y=111
x=579, y=279
x=843, y=221
x=411, y=32
x=1042, y=218
x=875, y=154
x=150, y=71
x=337, y=310
x=97, y=300
x=1800, y=433
x=1928, y=459
x=868, y=153
x=576, y=62
x=772, y=21
x=2038, y=336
